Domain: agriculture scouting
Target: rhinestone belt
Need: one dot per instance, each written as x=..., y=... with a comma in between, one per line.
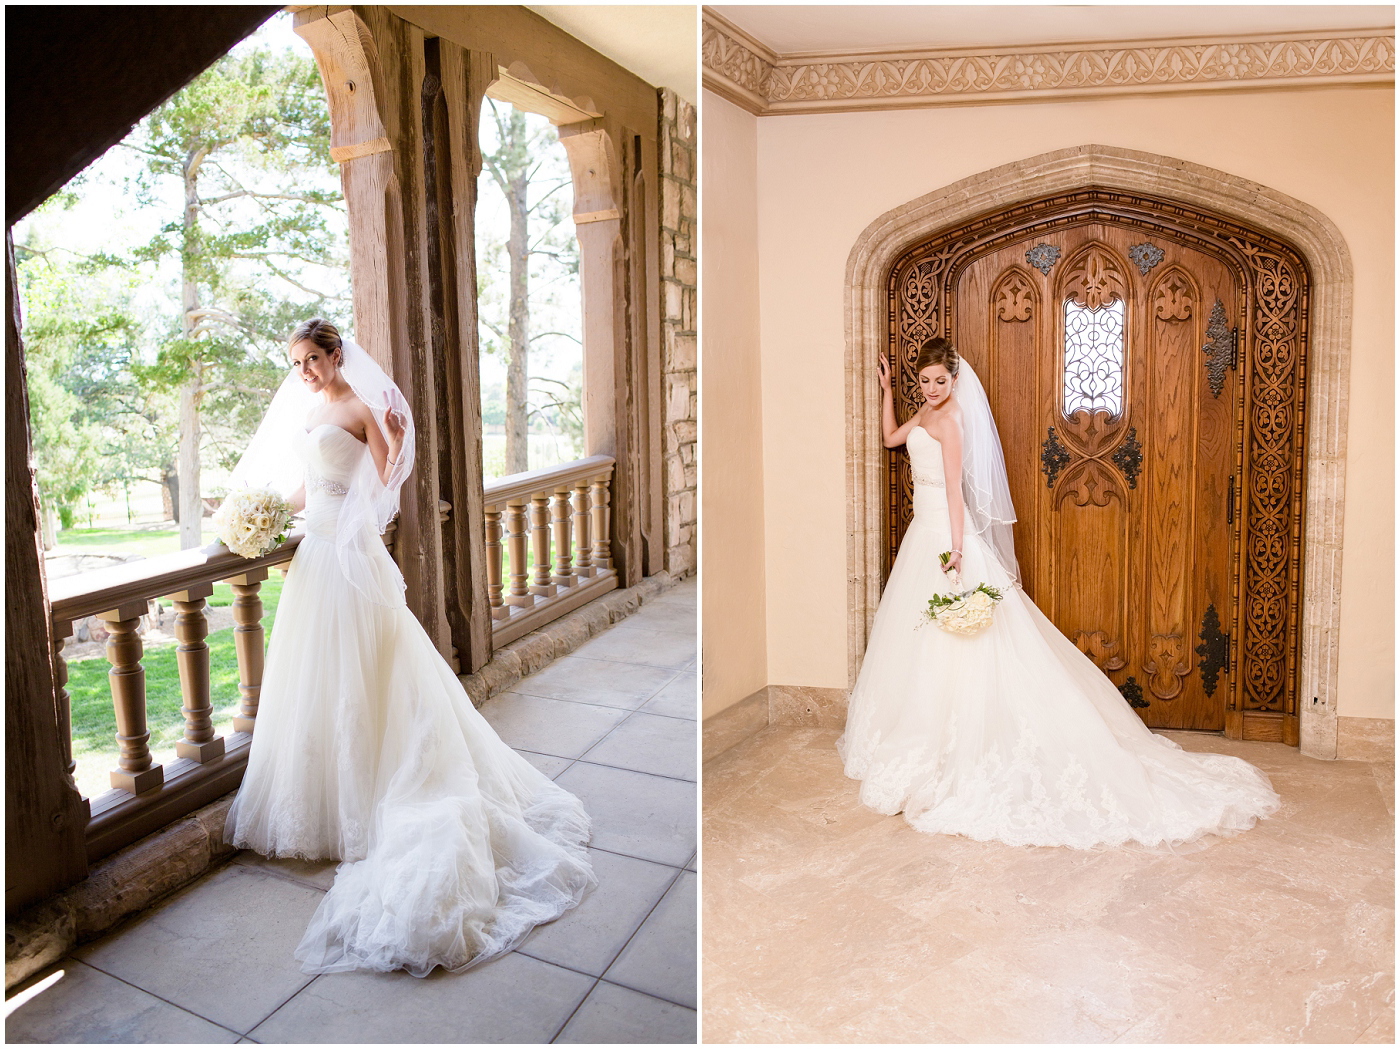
x=922, y=478
x=315, y=480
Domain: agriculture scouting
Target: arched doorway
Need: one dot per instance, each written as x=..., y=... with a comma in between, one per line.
x=1145, y=361
x=1251, y=244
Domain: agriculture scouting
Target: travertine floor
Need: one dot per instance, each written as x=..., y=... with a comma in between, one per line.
x=826, y=922
x=614, y=723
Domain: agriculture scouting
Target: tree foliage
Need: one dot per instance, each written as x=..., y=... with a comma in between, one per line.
x=528, y=278
x=247, y=236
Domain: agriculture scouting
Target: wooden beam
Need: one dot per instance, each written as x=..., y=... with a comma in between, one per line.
x=79, y=77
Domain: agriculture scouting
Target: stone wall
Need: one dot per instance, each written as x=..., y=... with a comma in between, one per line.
x=676, y=145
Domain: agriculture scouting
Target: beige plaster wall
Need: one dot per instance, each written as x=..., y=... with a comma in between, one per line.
x=822, y=179
x=733, y=644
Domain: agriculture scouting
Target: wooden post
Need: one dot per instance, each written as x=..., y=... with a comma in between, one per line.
x=602, y=548
x=519, y=595
x=192, y=656
x=371, y=63
x=563, y=542
x=63, y=701
x=135, y=772
x=583, y=564
x=493, y=563
x=248, y=644
x=452, y=157
x=539, y=537
x=45, y=816
x=610, y=389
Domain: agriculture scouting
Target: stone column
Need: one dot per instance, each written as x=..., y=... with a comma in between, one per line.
x=678, y=321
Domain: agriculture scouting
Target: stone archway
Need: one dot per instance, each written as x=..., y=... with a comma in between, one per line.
x=1308, y=230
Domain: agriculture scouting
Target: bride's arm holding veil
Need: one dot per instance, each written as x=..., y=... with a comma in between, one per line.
x=894, y=434
x=384, y=453
x=950, y=441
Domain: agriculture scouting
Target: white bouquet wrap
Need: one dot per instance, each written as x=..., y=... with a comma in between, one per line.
x=252, y=521
x=965, y=612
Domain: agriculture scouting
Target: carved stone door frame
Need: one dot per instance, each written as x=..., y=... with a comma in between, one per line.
x=1327, y=262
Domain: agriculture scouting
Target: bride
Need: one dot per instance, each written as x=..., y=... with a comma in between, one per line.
x=367, y=748
x=1011, y=734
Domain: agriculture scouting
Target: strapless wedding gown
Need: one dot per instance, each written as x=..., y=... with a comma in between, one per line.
x=1013, y=734
x=368, y=750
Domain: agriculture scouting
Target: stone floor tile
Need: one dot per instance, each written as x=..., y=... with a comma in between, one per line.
x=735, y=1014
x=649, y=743
x=691, y=865
x=319, y=874
x=1384, y=774
x=580, y=680
x=86, y=1005
x=980, y=998
x=677, y=617
x=221, y=948
x=589, y=937
x=509, y=999
x=549, y=726
x=679, y=699
x=640, y=644
x=546, y=763
x=683, y=595
x=828, y=923
x=1382, y=1031
x=660, y=959
x=616, y=1015
x=648, y=817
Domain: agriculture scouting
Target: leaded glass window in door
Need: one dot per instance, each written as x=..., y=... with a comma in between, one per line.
x=1093, y=361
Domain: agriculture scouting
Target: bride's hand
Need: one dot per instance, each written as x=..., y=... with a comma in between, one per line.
x=954, y=563
x=884, y=373
x=394, y=429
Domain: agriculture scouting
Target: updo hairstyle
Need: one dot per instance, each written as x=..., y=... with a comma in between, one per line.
x=937, y=351
x=321, y=333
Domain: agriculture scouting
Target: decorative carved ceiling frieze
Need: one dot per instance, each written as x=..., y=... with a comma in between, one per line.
x=739, y=68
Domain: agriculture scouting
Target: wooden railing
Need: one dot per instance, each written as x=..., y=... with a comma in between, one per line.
x=557, y=518
x=146, y=795
x=548, y=546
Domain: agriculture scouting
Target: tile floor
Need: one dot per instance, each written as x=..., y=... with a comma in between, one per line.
x=615, y=723
x=827, y=922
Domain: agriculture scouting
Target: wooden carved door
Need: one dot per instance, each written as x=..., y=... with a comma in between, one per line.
x=1118, y=447
x=1123, y=356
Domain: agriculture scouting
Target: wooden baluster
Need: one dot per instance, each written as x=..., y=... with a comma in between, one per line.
x=563, y=544
x=602, y=548
x=136, y=772
x=62, y=631
x=493, y=563
x=583, y=563
x=539, y=536
x=248, y=644
x=192, y=657
x=516, y=536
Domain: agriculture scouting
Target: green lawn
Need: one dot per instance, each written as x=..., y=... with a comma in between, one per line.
x=94, y=723
x=148, y=542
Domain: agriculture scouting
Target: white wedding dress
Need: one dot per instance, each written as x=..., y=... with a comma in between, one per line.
x=368, y=750
x=1013, y=734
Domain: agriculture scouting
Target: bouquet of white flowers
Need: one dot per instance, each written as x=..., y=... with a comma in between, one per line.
x=967, y=612
x=251, y=521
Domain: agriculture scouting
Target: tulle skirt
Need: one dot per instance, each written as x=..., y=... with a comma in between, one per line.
x=1013, y=734
x=368, y=750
